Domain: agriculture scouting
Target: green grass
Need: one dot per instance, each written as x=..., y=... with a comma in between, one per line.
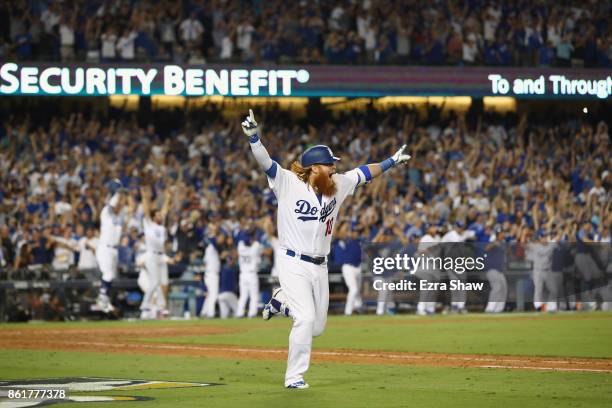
x=259, y=384
x=251, y=383
x=574, y=335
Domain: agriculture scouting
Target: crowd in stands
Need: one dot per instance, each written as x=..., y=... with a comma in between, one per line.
x=491, y=174
x=441, y=32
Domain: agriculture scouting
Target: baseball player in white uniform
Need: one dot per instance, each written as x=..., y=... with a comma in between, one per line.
x=309, y=198
x=457, y=234
x=112, y=220
x=428, y=246
x=212, y=265
x=249, y=259
x=540, y=253
x=155, y=262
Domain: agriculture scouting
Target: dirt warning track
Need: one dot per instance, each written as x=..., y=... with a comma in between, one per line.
x=127, y=340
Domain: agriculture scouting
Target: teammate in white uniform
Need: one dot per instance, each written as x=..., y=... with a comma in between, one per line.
x=309, y=197
x=156, y=264
x=540, y=253
x=112, y=220
x=212, y=265
x=428, y=246
x=249, y=260
x=457, y=234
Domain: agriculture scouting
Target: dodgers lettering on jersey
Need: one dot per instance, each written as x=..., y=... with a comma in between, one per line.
x=305, y=221
x=155, y=235
x=111, y=226
x=249, y=257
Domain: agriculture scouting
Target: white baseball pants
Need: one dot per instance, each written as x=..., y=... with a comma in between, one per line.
x=228, y=302
x=107, y=262
x=550, y=281
x=151, y=278
x=249, y=290
x=427, y=298
x=498, y=292
x=211, y=280
x=306, y=287
x=352, y=279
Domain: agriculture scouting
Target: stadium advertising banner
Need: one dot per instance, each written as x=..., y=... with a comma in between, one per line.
x=304, y=81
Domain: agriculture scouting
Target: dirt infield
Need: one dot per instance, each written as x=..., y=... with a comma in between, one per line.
x=126, y=340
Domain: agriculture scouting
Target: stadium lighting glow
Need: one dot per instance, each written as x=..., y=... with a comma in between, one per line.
x=499, y=103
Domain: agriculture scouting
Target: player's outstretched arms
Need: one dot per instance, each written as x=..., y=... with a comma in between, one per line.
x=372, y=171
x=145, y=194
x=251, y=129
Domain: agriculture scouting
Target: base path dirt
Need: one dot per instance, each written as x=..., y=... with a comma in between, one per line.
x=127, y=340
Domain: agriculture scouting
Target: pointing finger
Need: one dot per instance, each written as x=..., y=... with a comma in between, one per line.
x=251, y=116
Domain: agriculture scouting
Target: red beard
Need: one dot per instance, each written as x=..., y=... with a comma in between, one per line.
x=325, y=185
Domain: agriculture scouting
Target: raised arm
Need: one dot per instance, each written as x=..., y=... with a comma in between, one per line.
x=371, y=171
x=250, y=128
x=167, y=202
x=145, y=193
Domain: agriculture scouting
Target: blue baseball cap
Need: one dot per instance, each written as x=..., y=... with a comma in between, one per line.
x=319, y=154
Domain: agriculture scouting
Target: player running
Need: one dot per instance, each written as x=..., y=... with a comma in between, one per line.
x=309, y=198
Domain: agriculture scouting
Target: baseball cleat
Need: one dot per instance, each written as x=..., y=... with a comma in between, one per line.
x=103, y=304
x=298, y=385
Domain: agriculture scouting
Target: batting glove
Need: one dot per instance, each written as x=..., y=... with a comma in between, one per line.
x=400, y=157
x=249, y=127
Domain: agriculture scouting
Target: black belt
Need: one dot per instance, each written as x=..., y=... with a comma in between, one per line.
x=317, y=260
x=113, y=246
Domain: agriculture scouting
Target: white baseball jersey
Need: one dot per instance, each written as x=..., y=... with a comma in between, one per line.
x=540, y=255
x=212, y=260
x=155, y=235
x=249, y=257
x=111, y=226
x=306, y=220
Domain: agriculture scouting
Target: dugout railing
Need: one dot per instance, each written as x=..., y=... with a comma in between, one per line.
x=74, y=291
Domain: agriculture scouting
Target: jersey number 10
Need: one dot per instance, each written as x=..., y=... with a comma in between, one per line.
x=329, y=224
